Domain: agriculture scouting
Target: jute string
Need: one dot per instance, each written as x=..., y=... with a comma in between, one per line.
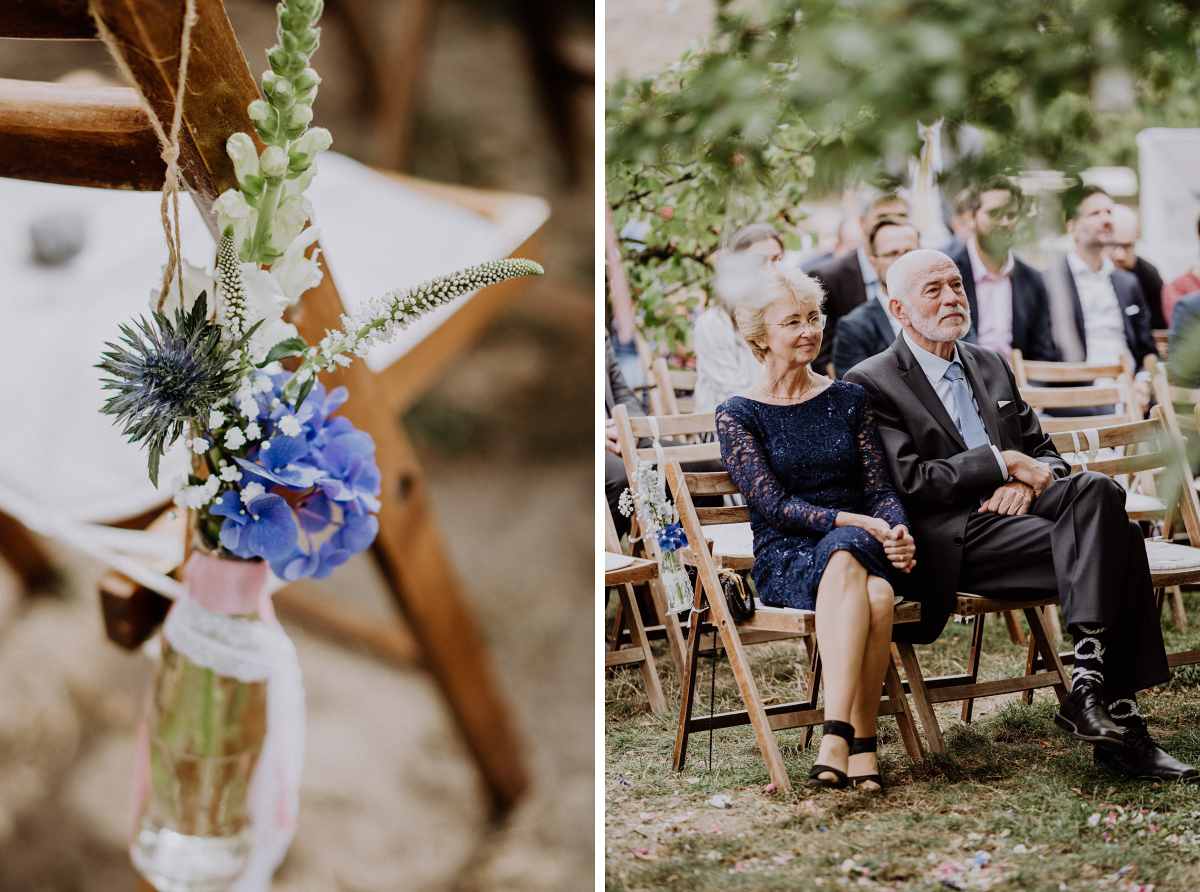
x=169, y=143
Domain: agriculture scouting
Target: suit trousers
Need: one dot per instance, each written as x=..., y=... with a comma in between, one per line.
x=1076, y=542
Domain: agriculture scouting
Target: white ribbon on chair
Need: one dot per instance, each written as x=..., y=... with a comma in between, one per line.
x=1091, y=438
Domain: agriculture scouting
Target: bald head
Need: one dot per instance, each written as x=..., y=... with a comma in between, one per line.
x=1123, y=247
x=907, y=274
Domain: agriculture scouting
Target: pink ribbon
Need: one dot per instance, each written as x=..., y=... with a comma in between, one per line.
x=226, y=586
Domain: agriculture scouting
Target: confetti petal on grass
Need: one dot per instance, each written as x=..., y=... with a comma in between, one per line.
x=721, y=800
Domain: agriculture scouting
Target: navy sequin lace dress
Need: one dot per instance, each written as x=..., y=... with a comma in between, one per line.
x=797, y=467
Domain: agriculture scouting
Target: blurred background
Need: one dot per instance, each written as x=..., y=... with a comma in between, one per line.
x=494, y=94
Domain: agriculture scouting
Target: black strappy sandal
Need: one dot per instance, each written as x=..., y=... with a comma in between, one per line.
x=845, y=731
x=865, y=745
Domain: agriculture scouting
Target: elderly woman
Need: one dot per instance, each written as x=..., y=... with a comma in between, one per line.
x=724, y=364
x=828, y=529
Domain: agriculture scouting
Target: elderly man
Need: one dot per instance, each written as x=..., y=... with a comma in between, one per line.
x=1123, y=253
x=994, y=512
x=847, y=278
x=1007, y=296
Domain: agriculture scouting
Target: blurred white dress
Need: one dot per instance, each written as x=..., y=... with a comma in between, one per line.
x=724, y=364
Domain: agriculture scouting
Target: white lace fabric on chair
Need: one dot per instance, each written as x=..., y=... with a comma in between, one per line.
x=252, y=650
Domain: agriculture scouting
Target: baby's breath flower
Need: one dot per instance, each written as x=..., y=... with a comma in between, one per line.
x=199, y=445
x=289, y=425
x=234, y=438
x=253, y=431
x=252, y=491
x=231, y=474
x=216, y=418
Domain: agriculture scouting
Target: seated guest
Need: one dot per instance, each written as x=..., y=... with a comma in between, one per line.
x=1101, y=313
x=869, y=328
x=1184, y=346
x=1123, y=252
x=996, y=513
x=1177, y=289
x=616, y=390
x=1006, y=295
x=724, y=364
x=829, y=532
x=845, y=279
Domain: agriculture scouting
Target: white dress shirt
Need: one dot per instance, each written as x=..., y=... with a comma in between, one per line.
x=1103, y=320
x=724, y=364
x=934, y=368
x=993, y=299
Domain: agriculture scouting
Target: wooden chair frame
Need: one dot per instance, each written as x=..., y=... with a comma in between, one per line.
x=639, y=653
x=669, y=382
x=712, y=608
x=101, y=137
x=1042, y=372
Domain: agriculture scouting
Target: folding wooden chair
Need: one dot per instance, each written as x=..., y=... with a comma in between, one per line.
x=675, y=388
x=101, y=137
x=710, y=609
x=1170, y=564
x=1028, y=371
x=733, y=543
x=626, y=571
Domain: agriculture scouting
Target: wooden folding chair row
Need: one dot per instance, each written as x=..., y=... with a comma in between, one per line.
x=675, y=388
x=710, y=610
x=1029, y=371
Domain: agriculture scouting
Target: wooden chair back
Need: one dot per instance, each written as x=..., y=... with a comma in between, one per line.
x=1118, y=396
x=675, y=388
x=709, y=607
x=1041, y=372
x=102, y=137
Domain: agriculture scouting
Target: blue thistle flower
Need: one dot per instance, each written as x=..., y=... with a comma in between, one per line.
x=168, y=374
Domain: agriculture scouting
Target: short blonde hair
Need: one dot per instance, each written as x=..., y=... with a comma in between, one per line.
x=778, y=283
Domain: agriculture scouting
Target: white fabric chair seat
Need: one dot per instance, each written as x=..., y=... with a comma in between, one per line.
x=734, y=540
x=1141, y=502
x=1169, y=557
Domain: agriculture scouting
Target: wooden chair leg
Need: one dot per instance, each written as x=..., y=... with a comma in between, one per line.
x=618, y=621
x=1053, y=625
x=1031, y=664
x=973, y=655
x=1015, y=633
x=24, y=554
x=904, y=720
x=814, y=684
x=920, y=695
x=1178, y=614
x=1049, y=653
x=688, y=668
x=637, y=634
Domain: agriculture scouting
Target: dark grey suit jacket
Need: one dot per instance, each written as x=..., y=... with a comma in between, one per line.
x=616, y=390
x=862, y=333
x=939, y=480
x=1030, y=307
x=844, y=290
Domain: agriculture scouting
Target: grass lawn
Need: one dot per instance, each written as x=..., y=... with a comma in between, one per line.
x=1016, y=805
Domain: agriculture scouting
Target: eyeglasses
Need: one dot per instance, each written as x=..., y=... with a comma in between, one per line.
x=812, y=324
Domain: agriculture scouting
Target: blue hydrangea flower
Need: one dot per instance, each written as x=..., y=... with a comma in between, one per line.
x=264, y=528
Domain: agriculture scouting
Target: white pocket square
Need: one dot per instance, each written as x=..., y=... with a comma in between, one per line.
x=1132, y=310
x=1002, y=403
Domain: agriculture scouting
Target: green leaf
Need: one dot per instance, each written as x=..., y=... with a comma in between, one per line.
x=305, y=390
x=284, y=349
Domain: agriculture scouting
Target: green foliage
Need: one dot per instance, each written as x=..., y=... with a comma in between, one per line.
x=792, y=96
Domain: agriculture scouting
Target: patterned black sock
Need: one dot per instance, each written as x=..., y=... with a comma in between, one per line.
x=1090, y=645
x=1124, y=710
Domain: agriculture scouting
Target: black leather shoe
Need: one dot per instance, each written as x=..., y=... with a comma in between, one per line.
x=1143, y=758
x=1083, y=714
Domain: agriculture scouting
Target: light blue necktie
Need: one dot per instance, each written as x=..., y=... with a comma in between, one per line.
x=970, y=425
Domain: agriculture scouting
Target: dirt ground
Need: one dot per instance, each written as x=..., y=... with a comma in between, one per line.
x=390, y=799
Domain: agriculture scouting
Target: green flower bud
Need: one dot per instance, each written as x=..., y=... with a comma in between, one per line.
x=258, y=110
x=300, y=115
x=274, y=161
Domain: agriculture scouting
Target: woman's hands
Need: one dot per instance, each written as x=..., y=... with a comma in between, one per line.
x=898, y=543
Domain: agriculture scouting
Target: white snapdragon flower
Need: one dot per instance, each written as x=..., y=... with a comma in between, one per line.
x=289, y=425
x=244, y=156
x=232, y=209
x=195, y=280
x=293, y=212
x=234, y=438
x=312, y=141
x=296, y=273
x=252, y=492
x=274, y=161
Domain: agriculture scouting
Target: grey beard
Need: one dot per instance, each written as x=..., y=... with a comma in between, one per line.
x=931, y=330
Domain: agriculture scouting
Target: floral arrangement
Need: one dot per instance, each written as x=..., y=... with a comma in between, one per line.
x=659, y=519
x=276, y=475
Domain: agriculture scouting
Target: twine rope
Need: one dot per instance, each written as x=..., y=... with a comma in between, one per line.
x=170, y=143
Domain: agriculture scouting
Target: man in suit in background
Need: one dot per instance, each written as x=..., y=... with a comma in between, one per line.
x=1098, y=311
x=1007, y=296
x=1123, y=251
x=845, y=279
x=995, y=513
x=869, y=328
